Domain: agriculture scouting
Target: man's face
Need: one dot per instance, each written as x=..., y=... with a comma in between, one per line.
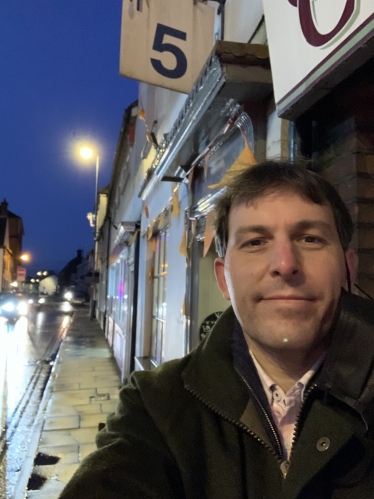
x=283, y=271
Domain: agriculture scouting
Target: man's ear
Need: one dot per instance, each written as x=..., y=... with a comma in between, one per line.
x=219, y=270
x=350, y=259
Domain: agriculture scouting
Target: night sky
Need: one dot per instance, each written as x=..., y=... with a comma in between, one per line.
x=59, y=85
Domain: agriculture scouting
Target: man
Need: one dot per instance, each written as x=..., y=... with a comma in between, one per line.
x=277, y=401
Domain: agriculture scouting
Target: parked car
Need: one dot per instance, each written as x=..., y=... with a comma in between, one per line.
x=13, y=306
x=75, y=297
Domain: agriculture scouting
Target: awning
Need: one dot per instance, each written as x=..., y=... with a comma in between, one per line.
x=234, y=73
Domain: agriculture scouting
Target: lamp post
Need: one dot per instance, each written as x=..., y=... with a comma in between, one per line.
x=87, y=153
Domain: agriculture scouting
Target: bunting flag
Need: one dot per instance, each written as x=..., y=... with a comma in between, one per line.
x=183, y=246
x=152, y=244
x=150, y=229
x=245, y=160
x=146, y=210
x=161, y=220
x=175, y=203
x=133, y=238
x=209, y=232
x=141, y=114
x=184, y=307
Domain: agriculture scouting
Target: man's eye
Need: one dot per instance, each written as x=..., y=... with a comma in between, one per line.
x=253, y=243
x=312, y=239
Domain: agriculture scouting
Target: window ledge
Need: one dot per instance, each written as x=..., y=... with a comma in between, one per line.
x=144, y=364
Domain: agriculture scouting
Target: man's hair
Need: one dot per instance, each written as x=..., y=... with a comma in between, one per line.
x=272, y=176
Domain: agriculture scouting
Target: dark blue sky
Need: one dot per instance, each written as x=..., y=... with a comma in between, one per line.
x=59, y=83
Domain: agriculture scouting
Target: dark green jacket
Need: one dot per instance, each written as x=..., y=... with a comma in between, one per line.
x=190, y=430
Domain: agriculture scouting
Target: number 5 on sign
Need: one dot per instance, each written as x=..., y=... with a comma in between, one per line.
x=165, y=42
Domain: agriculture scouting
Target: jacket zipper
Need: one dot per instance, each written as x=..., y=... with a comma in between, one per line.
x=298, y=417
x=238, y=424
x=270, y=423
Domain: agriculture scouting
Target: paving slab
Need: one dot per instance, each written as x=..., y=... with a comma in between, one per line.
x=67, y=454
x=60, y=472
x=83, y=390
x=60, y=410
x=92, y=420
x=99, y=383
x=109, y=407
x=61, y=423
x=51, y=489
x=85, y=450
x=67, y=386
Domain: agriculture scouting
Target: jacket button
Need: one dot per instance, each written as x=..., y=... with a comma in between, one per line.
x=323, y=444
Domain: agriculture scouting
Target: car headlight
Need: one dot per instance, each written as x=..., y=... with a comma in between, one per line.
x=23, y=308
x=8, y=306
x=41, y=300
x=68, y=295
x=31, y=301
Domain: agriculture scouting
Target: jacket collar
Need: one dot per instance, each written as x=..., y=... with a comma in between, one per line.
x=347, y=373
x=211, y=375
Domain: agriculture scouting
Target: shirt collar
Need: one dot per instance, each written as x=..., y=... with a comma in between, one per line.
x=269, y=385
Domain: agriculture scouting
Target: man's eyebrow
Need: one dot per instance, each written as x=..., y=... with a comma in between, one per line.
x=313, y=224
x=301, y=225
x=257, y=229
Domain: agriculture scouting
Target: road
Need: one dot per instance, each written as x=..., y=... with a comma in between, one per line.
x=27, y=353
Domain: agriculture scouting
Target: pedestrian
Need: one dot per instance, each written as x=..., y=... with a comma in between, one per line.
x=277, y=402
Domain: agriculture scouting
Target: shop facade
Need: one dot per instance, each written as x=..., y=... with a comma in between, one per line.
x=159, y=296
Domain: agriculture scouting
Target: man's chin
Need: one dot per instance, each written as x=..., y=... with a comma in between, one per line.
x=286, y=334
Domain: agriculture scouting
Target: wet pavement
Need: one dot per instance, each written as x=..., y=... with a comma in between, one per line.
x=26, y=358
x=81, y=392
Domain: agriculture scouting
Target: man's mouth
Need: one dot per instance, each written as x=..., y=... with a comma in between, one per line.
x=289, y=298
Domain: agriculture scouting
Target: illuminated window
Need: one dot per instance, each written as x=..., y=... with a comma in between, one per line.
x=159, y=298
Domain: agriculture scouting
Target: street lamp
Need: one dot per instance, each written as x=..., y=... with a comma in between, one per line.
x=87, y=153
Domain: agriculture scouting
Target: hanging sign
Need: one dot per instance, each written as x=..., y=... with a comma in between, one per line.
x=313, y=46
x=21, y=274
x=165, y=42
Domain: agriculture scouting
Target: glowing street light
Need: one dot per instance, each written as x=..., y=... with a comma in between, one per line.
x=87, y=153
x=25, y=257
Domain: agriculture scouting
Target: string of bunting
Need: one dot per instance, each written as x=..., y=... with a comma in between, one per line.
x=245, y=160
x=172, y=210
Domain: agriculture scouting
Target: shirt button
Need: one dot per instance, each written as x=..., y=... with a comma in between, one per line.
x=277, y=396
x=323, y=444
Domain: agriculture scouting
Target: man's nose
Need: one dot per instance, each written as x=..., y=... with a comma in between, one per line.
x=284, y=260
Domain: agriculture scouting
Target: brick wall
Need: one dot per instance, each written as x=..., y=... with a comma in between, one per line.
x=338, y=135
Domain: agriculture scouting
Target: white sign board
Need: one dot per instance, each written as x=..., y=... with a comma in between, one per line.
x=165, y=42
x=309, y=40
x=21, y=274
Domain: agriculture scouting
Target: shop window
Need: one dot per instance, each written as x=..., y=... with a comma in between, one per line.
x=159, y=298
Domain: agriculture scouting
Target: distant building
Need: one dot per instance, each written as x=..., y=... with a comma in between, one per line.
x=11, y=234
x=48, y=285
x=68, y=275
x=5, y=255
